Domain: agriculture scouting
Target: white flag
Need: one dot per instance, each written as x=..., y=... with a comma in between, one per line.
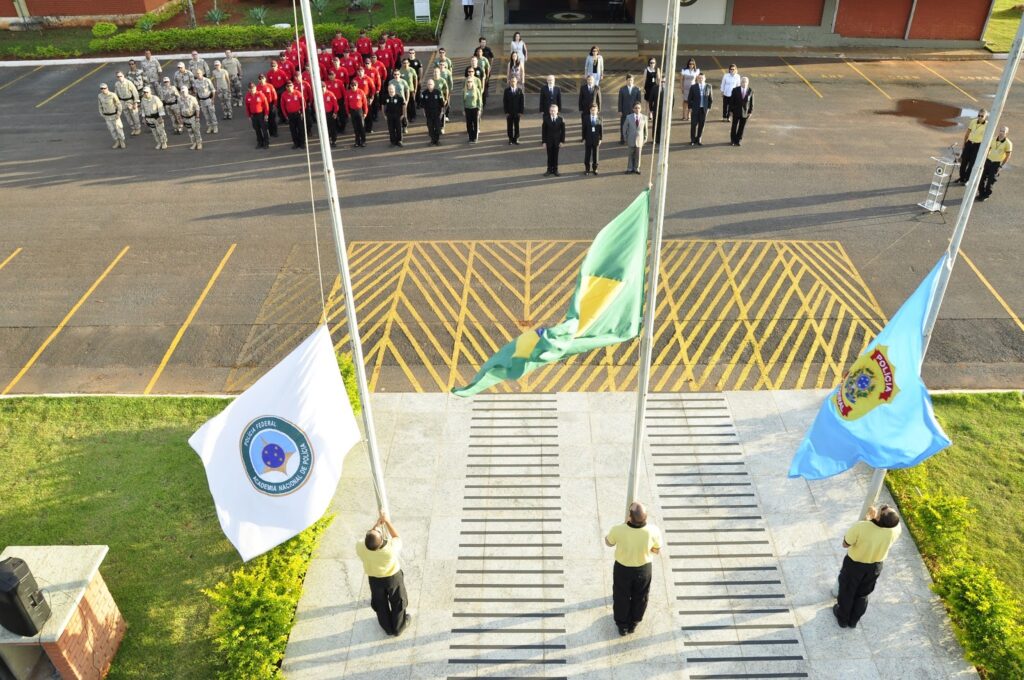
x=273, y=457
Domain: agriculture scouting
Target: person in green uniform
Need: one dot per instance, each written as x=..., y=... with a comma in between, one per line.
x=472, y=101
x=412, y=81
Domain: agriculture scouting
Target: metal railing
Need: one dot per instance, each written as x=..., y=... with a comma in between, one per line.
x=440, y=16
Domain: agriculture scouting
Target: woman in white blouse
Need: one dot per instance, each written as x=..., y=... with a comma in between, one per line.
x=516, y=69
x=730, y=81
x=594, y=65
x=519, y=47
x=689, y=74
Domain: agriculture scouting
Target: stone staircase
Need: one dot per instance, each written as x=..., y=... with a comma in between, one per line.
x=560, y=39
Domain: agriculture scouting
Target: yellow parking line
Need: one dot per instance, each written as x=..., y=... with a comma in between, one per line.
x=719, y=64
x=9, y=258
x=12, y=82
x=188, y=320
x=991, y=289
x=63, y=322
x=968, y=94
x=801, y=77
x=998, y=68
x=875, y=85
x=69, y=86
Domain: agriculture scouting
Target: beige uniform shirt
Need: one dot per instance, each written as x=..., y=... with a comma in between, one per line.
x=221, y=79
x=197, y=65
x=109, y=104
x=151, y=106
x=126, y=90
x=203, y=88
x=232, y=66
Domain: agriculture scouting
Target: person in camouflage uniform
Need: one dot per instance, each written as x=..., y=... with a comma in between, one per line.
x=203, y=89
x=197, y=64
x=189, y=107
x=170, y=96
x=110, y=109
x=234, y=69
x=222, y=84
x=136, y=75
x=153, y=113
x=129, y=96
x=152, y=69
x=183, y=78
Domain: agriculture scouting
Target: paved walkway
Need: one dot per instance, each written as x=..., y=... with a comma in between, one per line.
x=503, y=501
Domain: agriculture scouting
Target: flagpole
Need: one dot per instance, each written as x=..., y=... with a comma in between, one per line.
x=970, y=191
x=654, y=258
x=376, y=471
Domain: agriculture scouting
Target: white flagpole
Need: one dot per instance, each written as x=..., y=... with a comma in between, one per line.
x=654, y=257
x=376, y=470
x=970, y=191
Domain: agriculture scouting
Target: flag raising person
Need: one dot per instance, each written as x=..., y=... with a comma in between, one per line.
x=379, y=555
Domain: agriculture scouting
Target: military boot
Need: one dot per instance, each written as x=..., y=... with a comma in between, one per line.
x=163, y=145
x=199, y=146
x=120, y=143
x=193, y=146
x=117, y=144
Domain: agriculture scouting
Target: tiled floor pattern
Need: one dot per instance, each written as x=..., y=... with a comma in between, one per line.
x=509, y=608
x=732, y=604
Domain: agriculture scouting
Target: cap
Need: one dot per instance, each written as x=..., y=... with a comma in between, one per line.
x=181, y=64
x=216, y=63
x=166, y=79
x=120, y=74
x=146, y=89
x=103, y=86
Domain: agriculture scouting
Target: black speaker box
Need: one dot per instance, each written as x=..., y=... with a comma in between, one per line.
x=23, y=609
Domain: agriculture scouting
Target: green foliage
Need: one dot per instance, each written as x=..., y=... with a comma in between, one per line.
x=151, y=19
x=987, y=619
x=103, y=29
x=258, y=15
x=319, y=6
x=216, y=16
x=145, y=24
x=42, y=52
x=348, y=374
x=943, y=521
x=254, y=607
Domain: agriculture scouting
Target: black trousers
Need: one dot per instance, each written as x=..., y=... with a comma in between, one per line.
x=856, y=581
x=697, y=118
x=368, y=120
x=341, y=121
x=259, y=124
x=395, y=130
x=552, y=157
x=630, y=587
x=738, y=123
x=358, y=127
x=473, y=123
x=622, y=128
x=332, y=128
x=410, y=108
x=272, y=123
x=967, y=158
x=389, y=599
x=512, y=126
x=988, y=178
x=284, y=118
x=725, y=106
x=467, y=10
x=297, y=129
x=434, y=124
x=590, y=152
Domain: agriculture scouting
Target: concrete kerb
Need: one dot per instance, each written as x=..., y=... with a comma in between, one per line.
x=159, y=57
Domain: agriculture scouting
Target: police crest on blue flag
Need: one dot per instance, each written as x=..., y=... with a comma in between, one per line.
x=273, y=457
x=881, y=412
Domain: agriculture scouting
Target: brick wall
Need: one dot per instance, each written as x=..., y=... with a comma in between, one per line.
x=90, y=641
x=7, y=8
x=45, y=8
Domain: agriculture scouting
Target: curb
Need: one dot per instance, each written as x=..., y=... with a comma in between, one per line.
x=159, y=57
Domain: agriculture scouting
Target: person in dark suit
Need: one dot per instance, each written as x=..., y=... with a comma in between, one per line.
x=592, y=134
x=514, y=103
x=629, y=94
x=590, y=94
x=741, y=105
x=699, y=100
x=552, y=134
x=550, y=94
x=657, y=100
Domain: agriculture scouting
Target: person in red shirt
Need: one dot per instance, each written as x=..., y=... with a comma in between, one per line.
x=336, y=87
x=331, y=110
x=268, y=91
x=292, y=104
x=382, y=54
x=325, y=59
x=369, y=87
x=364, y=46
x=339, y=45
x=399, y=47
x=357, y=109
x=373, y=72
x=258, y=109
x=287, y=64
x=303, y=87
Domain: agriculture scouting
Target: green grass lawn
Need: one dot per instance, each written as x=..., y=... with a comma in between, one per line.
x=337, y=11
x=69, y=40
x=120, y=472
x=986, y=464
x=1002, y=26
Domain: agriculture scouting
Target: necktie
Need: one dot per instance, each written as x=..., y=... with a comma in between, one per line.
x=636, y=121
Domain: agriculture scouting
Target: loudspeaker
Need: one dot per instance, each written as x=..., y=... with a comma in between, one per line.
x=23, y=610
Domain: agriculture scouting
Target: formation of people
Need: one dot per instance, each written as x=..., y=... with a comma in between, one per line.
x=636, y=541
x=998, y=155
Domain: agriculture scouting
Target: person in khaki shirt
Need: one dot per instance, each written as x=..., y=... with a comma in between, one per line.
x=972, y=142
x=867, y=544
x=635, y=542
x=379, y=552
x=999, y=153
x=110, y=108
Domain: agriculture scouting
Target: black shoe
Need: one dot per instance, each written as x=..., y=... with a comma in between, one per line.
x=738, y=144
x=636, y=172
x=693, y=143
x=981, y=199
x=516, y=142
x=699, y=144
x=586, y=172
x=623, y=630
x=835, y=612
x=295, y=146
x=555, y=173
x=632, y=628
x=547, y=174
x=594, y=172
x=259, y=146
x=401, y=144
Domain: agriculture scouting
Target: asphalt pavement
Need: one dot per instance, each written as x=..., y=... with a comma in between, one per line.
x=825, y=160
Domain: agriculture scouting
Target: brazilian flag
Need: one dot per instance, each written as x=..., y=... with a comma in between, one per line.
x=606, y=308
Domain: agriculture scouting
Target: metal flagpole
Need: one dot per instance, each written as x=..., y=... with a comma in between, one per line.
x=654, y=259
x=970, y=191
x=377, y=472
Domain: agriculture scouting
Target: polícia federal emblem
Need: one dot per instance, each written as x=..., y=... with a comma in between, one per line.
x=870, y=382
x=276, y=455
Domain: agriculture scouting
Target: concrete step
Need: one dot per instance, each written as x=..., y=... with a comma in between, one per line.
x=576, y=39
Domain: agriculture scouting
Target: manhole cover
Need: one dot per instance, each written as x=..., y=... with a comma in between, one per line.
x=568, y=16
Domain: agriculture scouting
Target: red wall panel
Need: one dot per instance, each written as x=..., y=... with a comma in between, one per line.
x=7, y=8
x=41, y=8
x=874, y=18
x=942, y=20
x=777, y=12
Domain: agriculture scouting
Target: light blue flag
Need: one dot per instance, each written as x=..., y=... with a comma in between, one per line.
x=881, y=412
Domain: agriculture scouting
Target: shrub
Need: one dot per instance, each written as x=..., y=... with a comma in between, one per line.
x=320, y=6
x=986, y=617
x=943, y=522
x=145, y=24
x=40, y=52
x=216, y=15
x=258, y=15
x=254, y=607
x=151, y=19
x=348, y=374
x=103, y=29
